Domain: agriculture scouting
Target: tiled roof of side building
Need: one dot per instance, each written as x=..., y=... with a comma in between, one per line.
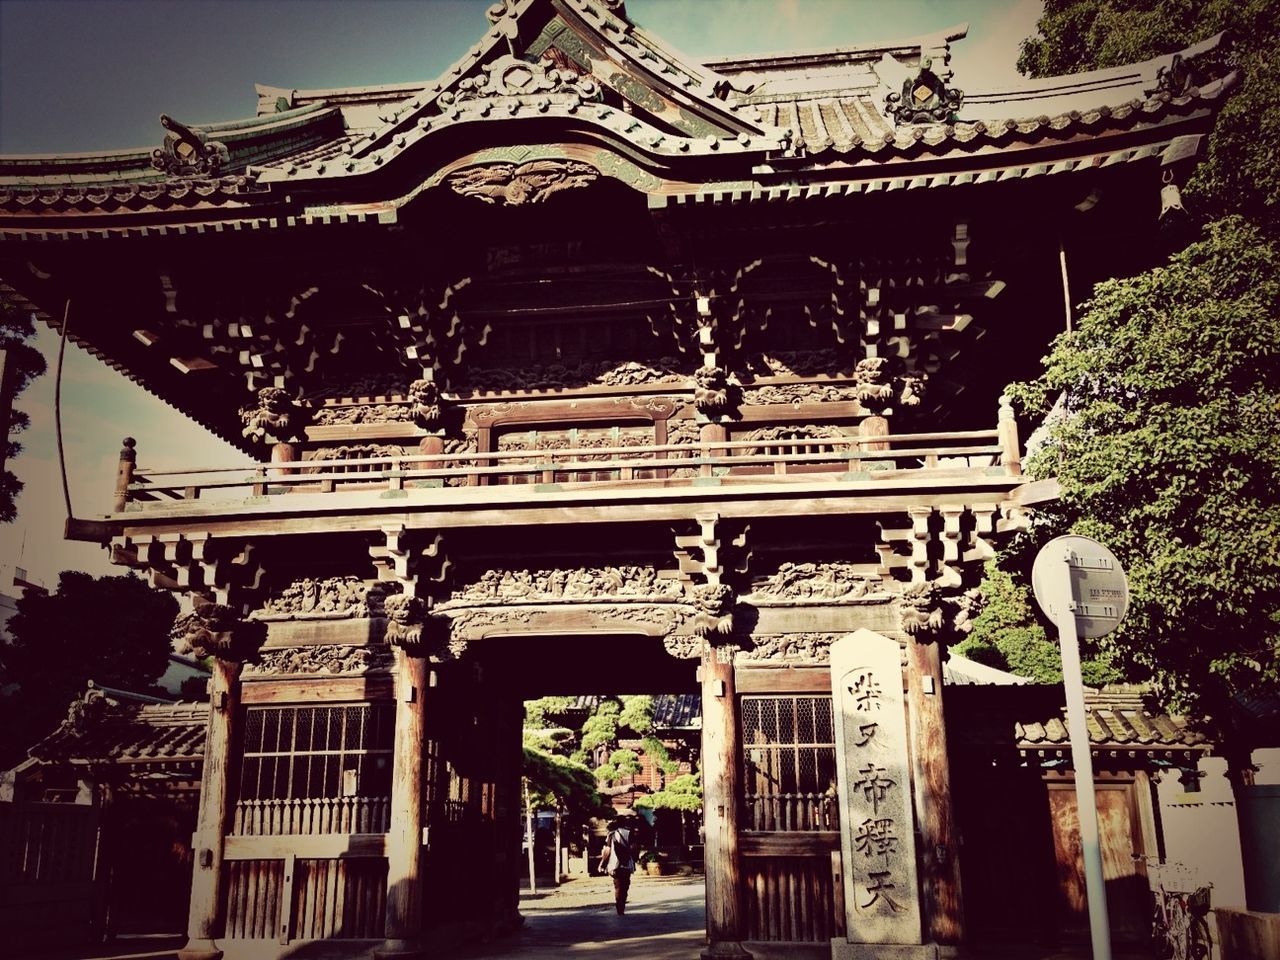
x=110, y=729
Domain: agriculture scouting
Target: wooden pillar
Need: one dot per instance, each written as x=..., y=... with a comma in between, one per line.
x=124, y=474
x=404, y=839
x=213, y=819
x=939, y=860
x=720, y=790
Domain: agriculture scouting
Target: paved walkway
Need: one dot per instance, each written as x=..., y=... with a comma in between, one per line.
x=664, y=921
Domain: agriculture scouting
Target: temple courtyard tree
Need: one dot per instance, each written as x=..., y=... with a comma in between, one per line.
x=22, y=362
x=111, y=630
x=1166, y=445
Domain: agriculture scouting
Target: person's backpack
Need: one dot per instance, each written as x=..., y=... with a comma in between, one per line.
x=621, y=848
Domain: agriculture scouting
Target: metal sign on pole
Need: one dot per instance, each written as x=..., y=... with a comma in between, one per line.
x=1080, y=585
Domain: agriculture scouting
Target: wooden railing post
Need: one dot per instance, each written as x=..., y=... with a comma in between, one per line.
x=283, y=453
x=404, y=838
x=213, y=818
x=124, y=473
x=1007, y=428
x=720, y=785
x=710, y=433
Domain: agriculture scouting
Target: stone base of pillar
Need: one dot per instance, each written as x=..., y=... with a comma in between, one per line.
x=400, y=950
x=197, y=949
x=725, y=950
x=842, y=949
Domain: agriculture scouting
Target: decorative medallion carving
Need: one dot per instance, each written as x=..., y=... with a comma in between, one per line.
x=820, y=582
x=332, y=659
x=714, y=605
x=510, y=76
x=276, y=418
x=626, y=583
x=512, y=184
x=319, y=599
x=924, y=98
x=188, y=151
x=215, y=630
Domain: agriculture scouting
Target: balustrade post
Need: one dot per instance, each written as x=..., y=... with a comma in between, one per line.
x=1007, y=430
x=209, y=841
x=710, y=433
x=720, y=786
x=870, y=429
x=283, y=453
x=404, y=838
x=124, y=474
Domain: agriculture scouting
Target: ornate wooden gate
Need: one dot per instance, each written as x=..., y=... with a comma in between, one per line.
x=789, y=838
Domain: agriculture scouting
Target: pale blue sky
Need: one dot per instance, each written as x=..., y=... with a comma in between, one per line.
x=83, y=75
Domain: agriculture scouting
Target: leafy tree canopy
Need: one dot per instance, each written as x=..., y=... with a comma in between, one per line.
x=1168, y=451
x=557, y=781
x=112, y=630
x=1007, y=636
x=23, y=363
x=1239, y=173
x=682, y=793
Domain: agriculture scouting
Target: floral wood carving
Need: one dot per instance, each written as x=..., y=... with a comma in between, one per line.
x=630, y=583
x=276, y=418
x=187, y=151
x=559, y=376
x=683, y=646
x=714, y=605
x=334, y=659
x=427, y=409
x=819, y=581
x=215, y=630
x=531, y=182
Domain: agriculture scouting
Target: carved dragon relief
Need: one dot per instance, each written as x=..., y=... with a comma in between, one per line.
x=474, y=623
x=322, y=659
x=277, y=418
x=216, y=630
x=324, y=599
x=510, y=184
x=623, y=584
x=837, y=582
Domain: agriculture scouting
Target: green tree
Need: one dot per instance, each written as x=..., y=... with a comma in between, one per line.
x=1006, y=634
x=22, y=364
x=112, y=630
x=1168, y=451
x=1239, y=174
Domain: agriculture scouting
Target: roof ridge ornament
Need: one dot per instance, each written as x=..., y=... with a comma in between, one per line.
x=925, y=98
x=188, y=151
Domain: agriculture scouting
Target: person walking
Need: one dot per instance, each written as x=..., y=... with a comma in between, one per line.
x=617, y=858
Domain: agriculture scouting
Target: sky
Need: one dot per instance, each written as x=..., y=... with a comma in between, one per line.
x=90, y=75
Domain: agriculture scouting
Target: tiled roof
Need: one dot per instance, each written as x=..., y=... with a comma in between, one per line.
x=1116, y=719
x=681, y=711
x=122, y=732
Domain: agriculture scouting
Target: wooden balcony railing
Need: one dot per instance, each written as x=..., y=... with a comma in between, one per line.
x=312, y=816
x=790, y=811
x=981, y=452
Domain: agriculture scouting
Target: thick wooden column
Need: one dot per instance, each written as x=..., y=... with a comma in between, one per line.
x=720, y=790
x=283, y=453
x=205, y=919
x=404, y=839
x=939, y=860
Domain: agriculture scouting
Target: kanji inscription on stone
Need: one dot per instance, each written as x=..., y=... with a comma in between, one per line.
x=877, y=841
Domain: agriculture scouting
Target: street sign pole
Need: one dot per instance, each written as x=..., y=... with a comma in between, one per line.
x=1082, y=760
x=1082, y=588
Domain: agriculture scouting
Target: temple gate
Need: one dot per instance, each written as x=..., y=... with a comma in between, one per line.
x=587, y=341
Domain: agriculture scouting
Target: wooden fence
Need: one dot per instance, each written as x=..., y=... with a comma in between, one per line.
x=47, y=860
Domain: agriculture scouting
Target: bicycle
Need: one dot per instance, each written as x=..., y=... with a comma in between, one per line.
x=1179, y=917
